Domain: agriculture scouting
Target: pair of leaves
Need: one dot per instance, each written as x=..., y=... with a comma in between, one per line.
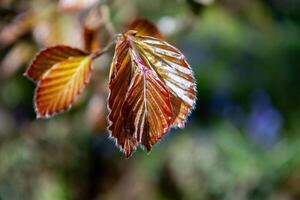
x=151, y=85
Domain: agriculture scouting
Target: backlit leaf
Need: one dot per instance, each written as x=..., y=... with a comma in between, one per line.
x=171, y=66
x=62, y=73
x=151, y=89
x=120, y=77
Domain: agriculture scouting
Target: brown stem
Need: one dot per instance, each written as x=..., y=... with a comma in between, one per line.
x=100, y=52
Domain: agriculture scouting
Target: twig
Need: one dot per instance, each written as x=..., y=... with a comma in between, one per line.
x=100, y=52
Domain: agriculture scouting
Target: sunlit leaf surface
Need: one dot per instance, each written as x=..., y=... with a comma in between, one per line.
x=151, y=89
x=62, y=73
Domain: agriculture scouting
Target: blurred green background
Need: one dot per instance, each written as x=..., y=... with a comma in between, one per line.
x=242, y=141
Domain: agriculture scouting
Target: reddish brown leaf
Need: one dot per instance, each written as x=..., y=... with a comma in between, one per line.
x=62, y=73
x=120, y=78
x=172, y=68
x=151, y=88
x=146, y=28
x=91, y=27
x=147, y=107
x=90, y=37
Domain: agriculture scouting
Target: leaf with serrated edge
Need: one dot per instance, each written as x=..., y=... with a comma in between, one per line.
x=62, y=73
x=120, y=76
x=151, y=88
x=174, y=63
x=171, y=66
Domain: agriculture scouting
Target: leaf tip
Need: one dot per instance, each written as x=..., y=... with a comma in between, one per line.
x=27, y=75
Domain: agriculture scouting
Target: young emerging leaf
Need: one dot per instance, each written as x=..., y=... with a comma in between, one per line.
x=61, y=73
x=151, y=89
x=91, y=27
x=90, y=38
x=146, y=28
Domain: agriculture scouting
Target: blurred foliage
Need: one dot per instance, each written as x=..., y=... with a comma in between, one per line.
x=241, y=142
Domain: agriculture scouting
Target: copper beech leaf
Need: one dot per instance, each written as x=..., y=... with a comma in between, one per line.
x=61, y=73
x=151, y=89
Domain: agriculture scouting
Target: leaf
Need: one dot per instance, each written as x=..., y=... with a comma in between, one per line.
x=120, y=78
x=151, y=89
x=90, y=38
x=62, y=73
x=146, y=28
x=91, y=26
x=171, y=66
x=147, y=108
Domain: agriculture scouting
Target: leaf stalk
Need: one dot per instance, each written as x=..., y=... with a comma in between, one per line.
x=107, y=48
